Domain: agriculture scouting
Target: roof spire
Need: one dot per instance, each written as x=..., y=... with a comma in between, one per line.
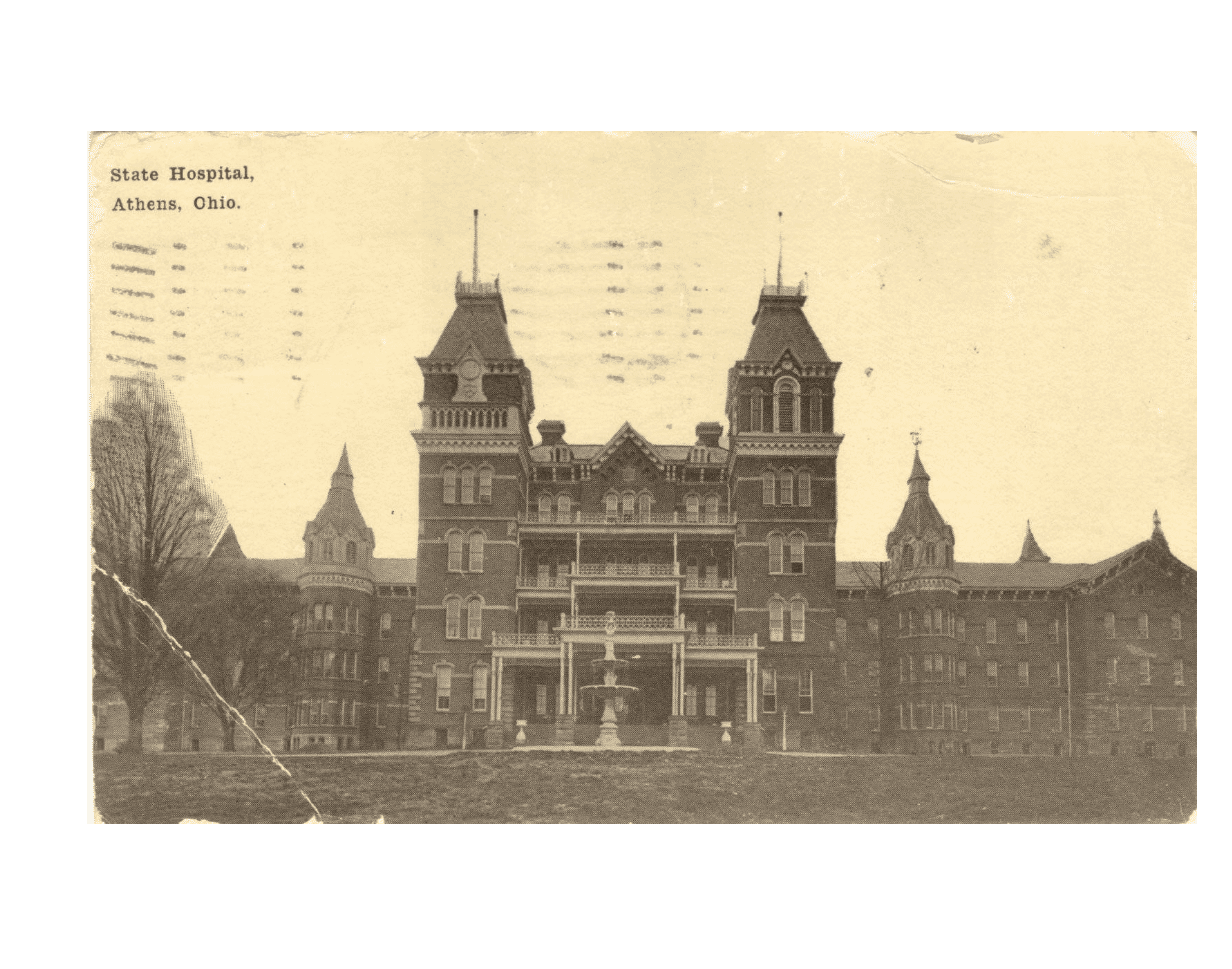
x=343, y=476
x=780, y=275
x=1031, y=552
x=475, y=262
x=918, y=482
x=1157, y=533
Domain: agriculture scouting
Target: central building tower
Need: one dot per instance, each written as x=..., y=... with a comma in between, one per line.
x=780, y=412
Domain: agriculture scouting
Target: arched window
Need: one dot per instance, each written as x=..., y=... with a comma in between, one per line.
x=776, y=620
x=444, y=683
x=692, y=506
x=476, y=557
x=797, y=620
x=611, y=502
x=627, y=503
x=453, y=618
x=712, y=508
x=804, y=489
x=908, y=557
x=485, y=485
x=775, y=541
x=454, y=540
x=386, y=625
x=930, y=554
x=563, y=508
x=767, y=488
x=643, y=507
x=797, y=553
x=785, y=487
x=449, y=481
x=468, y=486
x=545, y=508
x=786, y=406
x=329, y=551
x=755, y=410
x=474, y=618
x=351, y=553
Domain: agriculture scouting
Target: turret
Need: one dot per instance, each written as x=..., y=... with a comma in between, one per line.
x=921, y=545
x=1031, y=552
x=338, y=536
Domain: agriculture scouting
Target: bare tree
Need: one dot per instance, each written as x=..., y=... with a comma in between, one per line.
x=152, y=513
x=236, y=621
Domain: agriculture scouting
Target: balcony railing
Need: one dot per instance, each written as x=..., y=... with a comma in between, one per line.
x=702, y=582
x=466, y=418
x=622, y=622
x=636, y=518
x=546, y=640
x=721, y=642
x=543, y=582
x=625, y=569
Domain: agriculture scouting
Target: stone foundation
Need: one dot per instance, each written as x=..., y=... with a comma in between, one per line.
x=494, y=736
x=564, y=730
x=751, y=736
x=678, y=732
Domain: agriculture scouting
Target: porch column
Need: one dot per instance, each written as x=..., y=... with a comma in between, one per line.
x=569, y=707
x=756, y=690
x=748, y=691
x=674, y=710
x=683, y=685
x=560, y=694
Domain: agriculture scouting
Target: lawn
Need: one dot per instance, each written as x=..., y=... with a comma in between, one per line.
x=506, y=787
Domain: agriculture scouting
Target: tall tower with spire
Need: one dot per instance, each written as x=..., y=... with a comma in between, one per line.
x=782, y=464
x=919, y=663
x=474, y=467
x=334, y=652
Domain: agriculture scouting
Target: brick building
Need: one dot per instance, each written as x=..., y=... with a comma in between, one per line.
x=715, y=563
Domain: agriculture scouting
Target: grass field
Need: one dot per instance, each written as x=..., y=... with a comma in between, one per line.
x=621, y=787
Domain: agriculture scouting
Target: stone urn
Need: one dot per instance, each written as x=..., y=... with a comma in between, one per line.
x=726, y=738
x=521, y=737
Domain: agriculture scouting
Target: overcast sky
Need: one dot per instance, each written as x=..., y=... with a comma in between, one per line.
x=1025, y=303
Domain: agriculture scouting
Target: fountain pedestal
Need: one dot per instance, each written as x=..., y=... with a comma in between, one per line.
x=609, y=689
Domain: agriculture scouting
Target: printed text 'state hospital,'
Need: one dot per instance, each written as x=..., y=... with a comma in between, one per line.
x=717, y=561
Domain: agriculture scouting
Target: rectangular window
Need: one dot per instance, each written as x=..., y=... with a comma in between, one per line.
x=1054, y=631
x=990, y=668
x=318, y=616
x=806, y=691
x=1144, y=626
x=1024, y=720
x=872, y=628
x=962, y=672
x=755, y=409
x=1148, y=719
x=902, y=720
x=379, y=721
x=797, y=621
x=351, y=714
x=769, y=691
x=1144, y=672
x=990, y=632
x=455, y=551
x=911, y=674
x=875, y=714
x=1114, y=716
x=962, y=719
x=453, y=618
x=468, y=486
x=1055, y=679
x=476, y=557
x=304, y=713
x=785, y=488
x=479, y=689
x=485, y=486
x=910, y=622
x=961, y=636
x=1024, y=673
x=776, y=554
x=1022, y=632
x=474, y=619
x=1059, y=724
x=690, y=700
x=329, y=663
x=928, y=667
x=767, y=488
x=928, y=622
x=329, y=616
x=712, y=700
x=1176, y=625
x=994, y=719
x=1182, y=720
x=1109, y=625
x=314, y=713
x=804, y=487
x=449, y=478
x=938, y=627
x=1178, y=672
x=317, y=667
x=541, y=699
x=386, y=625
x=382, y=669
x=1112, y=671
x=444, y=684
x=797, y=554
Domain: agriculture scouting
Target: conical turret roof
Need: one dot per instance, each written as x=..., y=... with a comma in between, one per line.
x=227, y=546
x=1031, y=552
x=341, y=509
x=919, y=516
x=1157, y=533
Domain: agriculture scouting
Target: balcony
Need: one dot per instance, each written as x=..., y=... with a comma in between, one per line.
x=524, y=640
x=634, y=520
x=627, y=570
x=623, y=623
x=560, y=582
x=716, y=642
x=704, y=583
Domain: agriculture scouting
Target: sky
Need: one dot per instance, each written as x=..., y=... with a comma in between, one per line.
x=1025, y=303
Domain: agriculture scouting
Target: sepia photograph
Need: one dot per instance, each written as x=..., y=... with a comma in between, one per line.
x=650, y=477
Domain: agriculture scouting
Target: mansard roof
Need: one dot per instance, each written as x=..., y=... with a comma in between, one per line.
x=479, y=321
x=780, y=324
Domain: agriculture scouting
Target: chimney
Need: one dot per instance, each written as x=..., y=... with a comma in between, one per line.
x=552, y=432
x=708, y=433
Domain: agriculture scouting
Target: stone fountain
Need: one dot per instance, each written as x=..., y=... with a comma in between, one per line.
x=609, y=690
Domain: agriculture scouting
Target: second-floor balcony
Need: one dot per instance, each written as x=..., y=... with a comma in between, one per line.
x=627, y=519
x=622, y=623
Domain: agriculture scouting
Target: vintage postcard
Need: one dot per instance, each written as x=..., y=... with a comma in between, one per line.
x=773, y=478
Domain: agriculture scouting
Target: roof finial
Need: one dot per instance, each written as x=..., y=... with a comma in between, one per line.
x=780, y=276
x=475, y=264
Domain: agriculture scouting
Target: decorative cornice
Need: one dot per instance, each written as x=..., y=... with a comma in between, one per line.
x=776, y=445
x=936, y=583
x=335, y=580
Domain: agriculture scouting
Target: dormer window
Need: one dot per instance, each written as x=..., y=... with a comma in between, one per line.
x=352, y=553
x=930, y=554
x=908, y=557
x=561, y=455
x=699, y=455
x=329, y=551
